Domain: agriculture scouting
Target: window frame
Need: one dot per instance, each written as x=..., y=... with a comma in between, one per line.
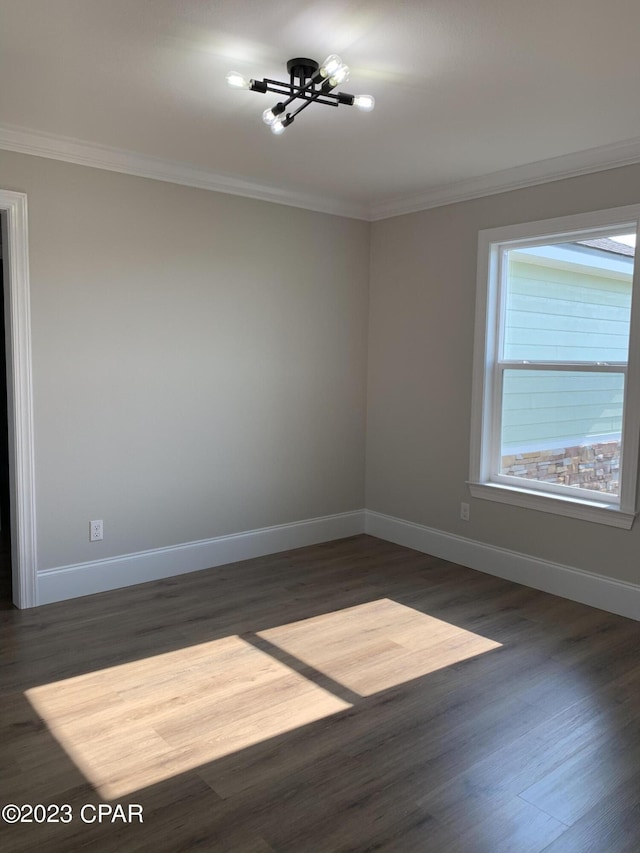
x=485, y=481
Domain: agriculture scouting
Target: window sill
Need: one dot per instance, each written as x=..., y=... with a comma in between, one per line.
x=598, y=513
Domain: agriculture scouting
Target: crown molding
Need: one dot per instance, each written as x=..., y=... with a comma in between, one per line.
x=69, y=150
x=542, y=172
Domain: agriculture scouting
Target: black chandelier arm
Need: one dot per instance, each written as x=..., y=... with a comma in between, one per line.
x=340, y=98
x=330, y=99
x=267, y=85
x=307, y=101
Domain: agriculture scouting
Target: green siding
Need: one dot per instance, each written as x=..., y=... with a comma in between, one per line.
x=562, y=315
x=543, y=406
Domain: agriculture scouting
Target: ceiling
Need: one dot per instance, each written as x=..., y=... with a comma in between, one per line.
x=464, y=90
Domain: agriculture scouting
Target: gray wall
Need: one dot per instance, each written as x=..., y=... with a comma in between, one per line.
x=199, y=360
x=199, y=364
x=422, y=300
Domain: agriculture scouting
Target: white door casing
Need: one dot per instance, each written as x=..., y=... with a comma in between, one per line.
x=20, y=397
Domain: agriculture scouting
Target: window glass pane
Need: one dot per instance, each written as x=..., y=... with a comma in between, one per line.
x=569, y=301
x=563, y=427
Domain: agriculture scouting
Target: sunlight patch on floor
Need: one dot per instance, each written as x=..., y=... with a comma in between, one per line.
x=139, y=723
x=142, y=722
x=377, y=645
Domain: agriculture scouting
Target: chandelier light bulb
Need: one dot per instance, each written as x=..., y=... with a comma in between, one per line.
x=341, y=75
x=277, y=127
x=237, y=81
x=270, y=115
x=364, y=102
x=330, y=65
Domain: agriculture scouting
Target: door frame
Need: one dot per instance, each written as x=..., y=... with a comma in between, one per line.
x=17, y=313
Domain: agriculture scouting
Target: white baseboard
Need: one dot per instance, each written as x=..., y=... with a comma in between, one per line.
x=587, y=588
x=65, y=582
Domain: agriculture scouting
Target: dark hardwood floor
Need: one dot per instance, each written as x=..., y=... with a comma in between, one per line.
x=352, y=696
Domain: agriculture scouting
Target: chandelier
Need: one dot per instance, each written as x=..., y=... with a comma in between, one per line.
x=310, y=83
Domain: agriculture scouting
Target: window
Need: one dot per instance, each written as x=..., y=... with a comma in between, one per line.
x=556, y=390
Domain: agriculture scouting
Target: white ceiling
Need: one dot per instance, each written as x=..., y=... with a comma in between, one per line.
x=464, y=89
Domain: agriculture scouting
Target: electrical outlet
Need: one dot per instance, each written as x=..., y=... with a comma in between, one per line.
x=95, y=530
x=464, y=511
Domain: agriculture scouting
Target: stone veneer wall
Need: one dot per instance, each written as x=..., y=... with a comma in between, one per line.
x=594, y=466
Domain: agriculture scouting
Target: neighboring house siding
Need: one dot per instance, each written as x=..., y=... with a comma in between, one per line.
x=547, y=410
x=563, y=314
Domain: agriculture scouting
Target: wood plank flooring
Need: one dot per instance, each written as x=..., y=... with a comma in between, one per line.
x=352, y=696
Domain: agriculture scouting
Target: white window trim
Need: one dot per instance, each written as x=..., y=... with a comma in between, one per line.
x=483, y=406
